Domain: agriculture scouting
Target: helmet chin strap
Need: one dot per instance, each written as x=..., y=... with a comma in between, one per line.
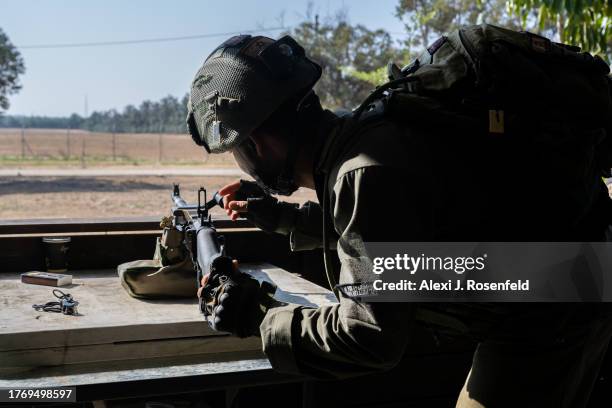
x=285, y=182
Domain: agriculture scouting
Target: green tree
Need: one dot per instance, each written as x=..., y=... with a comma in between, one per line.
x=342, y=49
x=427, y=20
x=11, y=66
x=165, y=115
x=587, y=23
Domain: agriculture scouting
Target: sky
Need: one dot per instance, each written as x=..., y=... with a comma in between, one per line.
x=59, y=80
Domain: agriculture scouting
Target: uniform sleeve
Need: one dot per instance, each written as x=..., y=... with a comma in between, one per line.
x=303, y=225
x=306, y=231
x=348, y=338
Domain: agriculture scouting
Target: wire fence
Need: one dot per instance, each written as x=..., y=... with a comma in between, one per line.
x=76, y=146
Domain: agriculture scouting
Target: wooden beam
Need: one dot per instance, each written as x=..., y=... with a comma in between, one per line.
x=102, y=251
x=72, y=225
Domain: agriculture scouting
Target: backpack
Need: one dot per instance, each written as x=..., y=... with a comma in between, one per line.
x=519, y=107
x=517, y=100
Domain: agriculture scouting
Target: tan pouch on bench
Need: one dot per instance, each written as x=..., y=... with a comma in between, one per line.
x=148, y=279
x=170, y=274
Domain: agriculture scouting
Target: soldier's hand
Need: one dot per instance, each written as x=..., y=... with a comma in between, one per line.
x=233, y=207
x=247, y=199
x=204, y=280
x=237, y=306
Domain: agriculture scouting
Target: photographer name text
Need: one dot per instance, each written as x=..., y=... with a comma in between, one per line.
x=451, y=285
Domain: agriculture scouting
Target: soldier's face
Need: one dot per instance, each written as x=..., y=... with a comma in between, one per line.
x=270, y=147
x=262, y=156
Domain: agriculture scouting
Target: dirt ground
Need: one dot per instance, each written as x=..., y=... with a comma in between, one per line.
x=101, y=197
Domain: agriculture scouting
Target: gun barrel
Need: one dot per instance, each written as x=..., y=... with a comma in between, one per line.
x=179, y=202
x=176, y=196
x=208, y=247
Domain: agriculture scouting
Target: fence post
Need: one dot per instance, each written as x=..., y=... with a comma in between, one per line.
x=83, y=150
x=114, y=143
x=68, y=143
x=23, y=142
x=159, y=143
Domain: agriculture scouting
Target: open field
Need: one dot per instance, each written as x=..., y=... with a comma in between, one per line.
x=95, y=197
x=79, y=148
x=106, y=196
x=70, y=174
x=101, y=197
x=52, y=183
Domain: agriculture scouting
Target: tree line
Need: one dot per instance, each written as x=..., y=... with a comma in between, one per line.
x=166, y=116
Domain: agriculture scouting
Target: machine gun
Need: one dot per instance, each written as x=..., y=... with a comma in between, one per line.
x=207, y=251
x=204, y=245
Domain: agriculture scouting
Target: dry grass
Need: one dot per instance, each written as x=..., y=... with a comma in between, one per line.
x=56, y=147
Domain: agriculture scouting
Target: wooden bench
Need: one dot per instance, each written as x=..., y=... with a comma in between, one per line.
x=116, y=333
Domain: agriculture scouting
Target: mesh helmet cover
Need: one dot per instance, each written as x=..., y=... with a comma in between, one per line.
x=241, y=84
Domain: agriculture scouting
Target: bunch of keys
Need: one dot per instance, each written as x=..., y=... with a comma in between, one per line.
x=66, y=304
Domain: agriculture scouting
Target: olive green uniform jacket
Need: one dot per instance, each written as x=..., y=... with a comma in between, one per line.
x=391, y=184
x=349, y=338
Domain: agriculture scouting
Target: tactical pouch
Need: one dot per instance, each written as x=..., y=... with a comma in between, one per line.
x=170, y=274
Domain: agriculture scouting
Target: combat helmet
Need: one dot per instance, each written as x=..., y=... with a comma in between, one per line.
x=242, y=83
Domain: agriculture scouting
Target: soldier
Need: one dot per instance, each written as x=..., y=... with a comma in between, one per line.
x=377, y=178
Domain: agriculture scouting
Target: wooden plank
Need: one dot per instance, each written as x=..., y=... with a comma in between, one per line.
x=72, y=225
x=104, y=305
x=133, y=350
x=125, y=379
x=23, y=254
x=290, y=288
x=114, y=325
x=78, y=337
x=127, y=370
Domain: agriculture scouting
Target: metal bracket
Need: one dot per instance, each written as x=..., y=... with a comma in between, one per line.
x=202, y=209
